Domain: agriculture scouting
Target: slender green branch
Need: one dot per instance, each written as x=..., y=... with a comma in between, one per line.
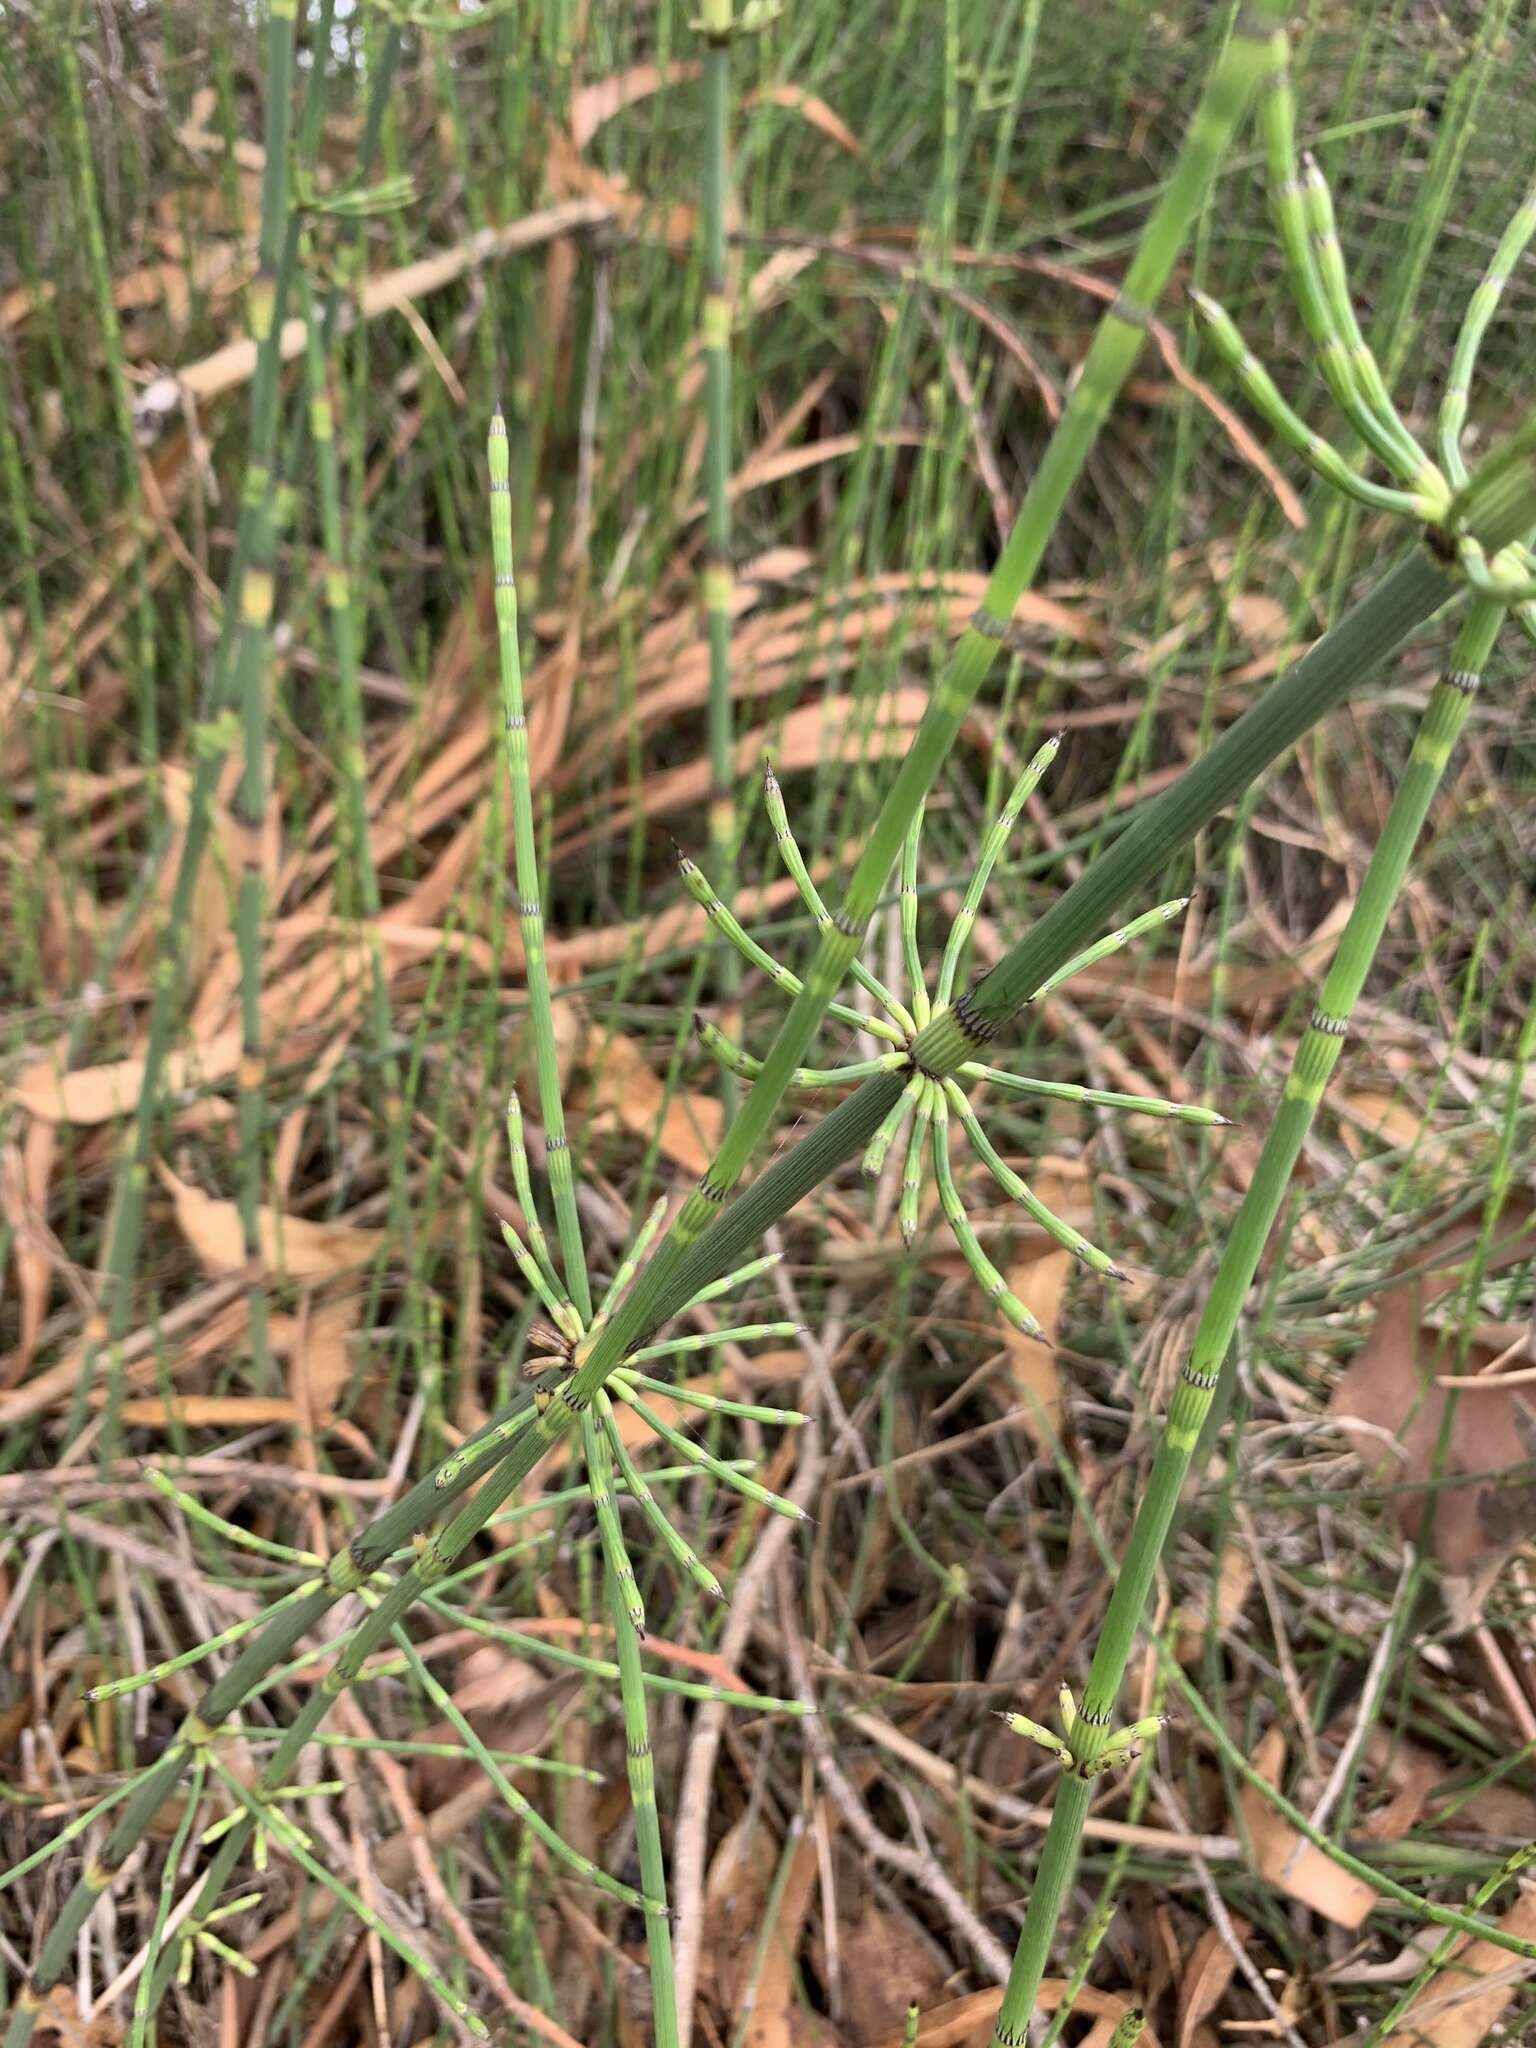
x=715, y=582
x=252, y=679
x=557, y=1151
x=267, y=305
x=1200, y=1375
x=624, y=1602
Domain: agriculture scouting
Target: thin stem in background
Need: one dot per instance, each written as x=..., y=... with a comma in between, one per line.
x=253, y=642
x=716, y=577
x=267, y=307
x=122, y=403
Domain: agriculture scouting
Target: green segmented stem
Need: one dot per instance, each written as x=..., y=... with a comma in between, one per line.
x=1259, y=388
x=1129, y=2029
x=1288, y=201
x=713, y=1404
x=991, y=852
x=640, y=1769
x=1149, y=920
x=125, y=1228
x=65, y=43
x=1199, y=1377
x=294, y=1841
x=749, y=1489
x=731, y=1055
x=354, y=833
x=1481, y=307
x=729, y=1282
x=696, y=882
x=227, y=1532
x=116, y=1688
x=530, y=909
x=990, y=1280
x=1416, y=470
x=1019, y=1190
x=889, y=1127
x=599, y=1667
x=552, y=1296
x=715, y=577
x=267, y=303
x=621, y=1573
x=810, y=896
x=629, y=1266
x=1256, y=43
x=682, y=1552
x=522, y=1182
x=922, y=1009
x=66, y=1834
x=451, y=1470
x=143, y=1798
x=1099, y=1098
x=252, y=656
x=710, y=1340
x=138, y=2031
x=908, y=1213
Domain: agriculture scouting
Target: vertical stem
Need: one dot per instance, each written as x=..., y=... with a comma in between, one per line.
x=268, y=304
x=618, y=1577
x=530, y=906
x=715, y=583
x=1315, y=1059
x=122, y=406
x=252, y=678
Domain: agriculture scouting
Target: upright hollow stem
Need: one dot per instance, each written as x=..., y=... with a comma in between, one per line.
x=716, y=578
x=268, y=305
x=530, y=908
x=1200, y=1375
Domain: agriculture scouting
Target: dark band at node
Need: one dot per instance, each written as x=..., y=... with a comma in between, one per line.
x=976, y=1027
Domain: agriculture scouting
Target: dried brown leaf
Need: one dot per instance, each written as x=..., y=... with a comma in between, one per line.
x=94, y=1095
x=812, y=109
x=592, y=105
x=626, y=1092
x=293, y=1246
x=1392, y=1410
x=1290, y=1861
x=1205, y=1980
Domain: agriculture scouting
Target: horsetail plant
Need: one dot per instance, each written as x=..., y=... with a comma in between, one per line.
x=437, y=1518
x=266, y=308
x=508, y=1448
x=565, y=1293
x=929, y=1102
x=718, y=28
x=1090, y=1747
x=1257, y=39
